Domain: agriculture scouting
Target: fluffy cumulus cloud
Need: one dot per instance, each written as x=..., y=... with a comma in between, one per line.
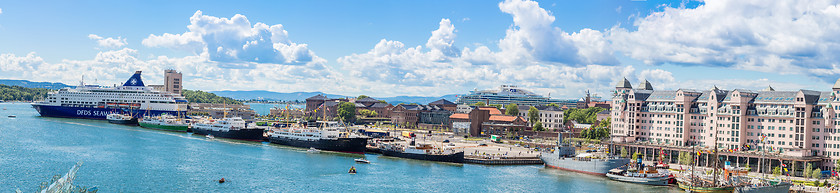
x=532, y=54
x=110, y=43
x=799, y=37
x=271, y=61
x=236, y=41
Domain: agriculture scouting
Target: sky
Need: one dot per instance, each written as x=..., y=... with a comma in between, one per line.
x=426, y=48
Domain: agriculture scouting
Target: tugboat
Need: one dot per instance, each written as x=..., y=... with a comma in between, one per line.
x=232, y=128
x=164, y=122
x=564, y=157
x=123, y=119
x=422, y=152
x=640, y=174
x=328, y=137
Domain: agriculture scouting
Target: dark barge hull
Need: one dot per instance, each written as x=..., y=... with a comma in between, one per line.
x=346, y=145
x=242, y=134
x=454, y=158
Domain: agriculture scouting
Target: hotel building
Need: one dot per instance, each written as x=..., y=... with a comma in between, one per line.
x=795, y=125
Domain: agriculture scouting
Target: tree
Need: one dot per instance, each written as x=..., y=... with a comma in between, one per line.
x=554, y=105
x=480, y=104
x=837, y=164
x=817, y=173
x=362, y=96
x=512, y=109
x=807, y=172
x=538, y=127
x=793, y=169
x=686, y=158
x=623, y=151
x=533, y=115
x=347, y=111
x=635, y=156
x=368, y=113
x=584, y=133
x=777, y=171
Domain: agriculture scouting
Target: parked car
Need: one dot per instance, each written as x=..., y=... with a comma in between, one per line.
x=482, y=144
x=446, y=141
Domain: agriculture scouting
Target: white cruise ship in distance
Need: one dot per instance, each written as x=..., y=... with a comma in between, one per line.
x=506, y=94
x=96, y=102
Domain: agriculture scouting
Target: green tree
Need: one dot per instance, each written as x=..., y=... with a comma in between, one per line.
x=533, y=115
x=362, y=96
x=686, y=158
x=584, y=133
x=554, y=105
x=837, y=164
x=538, y=127
x=512, y=109
x=816, y=174
x=807, y=172
x=777, y=171
x=480, y=104
x=198, y=96
x=623, y=151
x=347, y=111
x=635, y=156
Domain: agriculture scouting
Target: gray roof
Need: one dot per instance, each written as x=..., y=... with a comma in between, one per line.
x=318, y=97
x=442, y=102
x=365, y=100
x=623, y=84
x=662, y=95
x=359, y=105
x=641, y=95
x=420, y=107
x=769, y=88
x=645, y=85
x=379, y=105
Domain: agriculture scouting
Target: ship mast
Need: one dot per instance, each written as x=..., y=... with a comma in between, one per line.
x=715, y=166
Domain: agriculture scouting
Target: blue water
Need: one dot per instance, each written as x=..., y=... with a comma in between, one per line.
x=264, y=108
x=132, y=159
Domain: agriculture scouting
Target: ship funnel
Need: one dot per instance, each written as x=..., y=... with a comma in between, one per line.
x=135, y=80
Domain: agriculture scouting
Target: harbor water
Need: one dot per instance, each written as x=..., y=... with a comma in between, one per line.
x=121, y=158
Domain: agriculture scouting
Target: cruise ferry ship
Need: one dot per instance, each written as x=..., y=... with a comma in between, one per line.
x=328, y=137
x=506, y=94
x=96, y=102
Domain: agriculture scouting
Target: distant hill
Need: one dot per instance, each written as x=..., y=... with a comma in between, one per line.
x=30, y=84
x=301, y=96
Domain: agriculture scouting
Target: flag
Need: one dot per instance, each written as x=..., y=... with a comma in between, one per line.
x=786, y=170
x=784, y=165
x=698, y=153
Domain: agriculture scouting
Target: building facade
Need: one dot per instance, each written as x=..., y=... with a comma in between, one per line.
x=172, y=81
x=551, y=117
x=801, y=123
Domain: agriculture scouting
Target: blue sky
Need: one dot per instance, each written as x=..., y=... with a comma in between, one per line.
x=428, y=48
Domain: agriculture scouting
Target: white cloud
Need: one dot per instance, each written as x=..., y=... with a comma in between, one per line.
x=786, y=37
x=1, y=11
x=110, y=43
x=236, y=42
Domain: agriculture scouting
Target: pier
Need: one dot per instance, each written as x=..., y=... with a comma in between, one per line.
x=503, y=160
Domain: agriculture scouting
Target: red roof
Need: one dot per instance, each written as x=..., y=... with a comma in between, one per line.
x=459, y=116
x=505, y=118
x=493, y=110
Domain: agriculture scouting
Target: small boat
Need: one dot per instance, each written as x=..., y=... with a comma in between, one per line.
x=352, y=170
x=210, y=137
x=124, y=119
x=640, y=175
x=12, y=116
x=313, y=150
x=362, y=160
x=222, y=180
